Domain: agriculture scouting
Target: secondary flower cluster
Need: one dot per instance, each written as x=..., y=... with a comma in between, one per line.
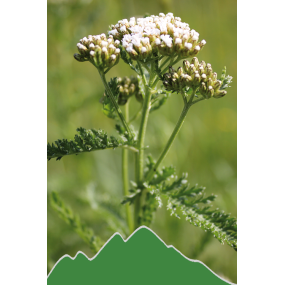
x=128, y=86
x=195, y=75
x=165, y=34
x=102, y=51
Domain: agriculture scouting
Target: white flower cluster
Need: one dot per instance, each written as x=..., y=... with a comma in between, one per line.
x=194, y=75
x=102, y=50
x=165, y=34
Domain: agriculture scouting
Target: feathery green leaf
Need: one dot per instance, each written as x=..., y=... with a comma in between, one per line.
x=66, y=214
x=85, y=141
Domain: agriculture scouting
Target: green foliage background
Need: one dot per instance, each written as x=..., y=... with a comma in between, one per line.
x=205, y=147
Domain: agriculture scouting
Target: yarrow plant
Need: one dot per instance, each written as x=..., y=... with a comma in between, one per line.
x=150, y=46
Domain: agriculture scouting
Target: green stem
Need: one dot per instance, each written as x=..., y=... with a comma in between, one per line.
x=165, y=61
x=114, y=102
x=140, y=143
x=142, y=74
x=172, y=137
x=125, y=172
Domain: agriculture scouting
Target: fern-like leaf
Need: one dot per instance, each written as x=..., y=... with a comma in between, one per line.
x=66, y=214
x=191, y=201
x=84, y=141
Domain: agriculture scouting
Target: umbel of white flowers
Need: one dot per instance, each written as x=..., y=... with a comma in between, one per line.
x=165, y=34
x=196, y=76
x=102, y=52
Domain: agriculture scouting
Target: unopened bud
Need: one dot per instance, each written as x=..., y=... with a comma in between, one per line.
x=175, y=76
x=195, y=62
x=121, y=89
x=180, y=71
x=186, y=65
x=92, y=46
x=132, y=88
x=202, y=43
x=197, y=79
x=214, y=76
x=210, y=82
x=217, y=84
x=79, y=57
x=85, y=41
x=204, y=77
x=220, y=94
x=122, y=100
x=82, y=49
x=203, y=64
x=203, y=90
x=167, y=76
x=105, y=54
x=117, y=43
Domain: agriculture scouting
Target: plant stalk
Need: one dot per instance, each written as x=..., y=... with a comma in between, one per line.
x=172, y=137
x=125, y=173
x=140, y=145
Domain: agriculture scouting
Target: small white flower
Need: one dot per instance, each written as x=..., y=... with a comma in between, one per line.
x=188, y=45
x=129, y=49
x=136, y=41
x=123, y=29
x=178, y=41
x=145, y=41
x=113, y=32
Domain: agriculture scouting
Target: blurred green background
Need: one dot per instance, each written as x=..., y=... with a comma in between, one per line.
x=205, y=147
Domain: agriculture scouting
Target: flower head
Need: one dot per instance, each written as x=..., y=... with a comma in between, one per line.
x=127, y=87
x=196, y=76
x=103, y=52
x=166, y=34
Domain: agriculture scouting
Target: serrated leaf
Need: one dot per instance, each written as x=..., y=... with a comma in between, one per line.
x=192, y=202
x=84, y=141
x=67, y=215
